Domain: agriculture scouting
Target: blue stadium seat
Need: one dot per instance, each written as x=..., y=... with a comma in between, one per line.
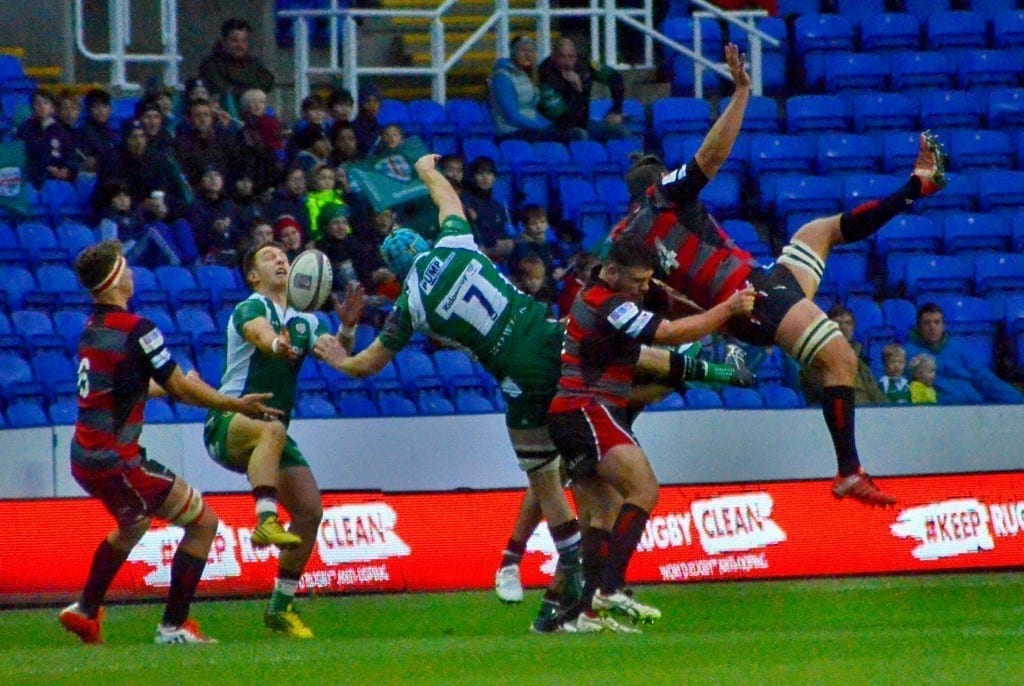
x=633, y=112
x=890, y=31
x=761, y=115
x=612, y=191
x=672, y=401
x=1008, y=29
x=41, y=243
x=25, y=413
x=855, y=71
x=683, y=81
x=431, y=403
x=951, y=109
x=970, y=232
x=468, y=402
x=60, y=199
x=780, y=153
x=680, y=115
x=909, y=233
x=160, y=317
x=999, y=272
x=1017, y=232
x=702, y=399
x=824, y=32
x=847, y=152
x=393, y=112
x=578, y=199
x=859, y=188
x=954, y=30
x=682, y=30
x=899, y=151
x=394, y=405
x=817, y=113
x=470, y=118
x=431, y=115
x=222, y=283
x=36, y=330
x=900, y=315
x=357, y=406
x=798, y=7
x=619, y=150
x=779, y=397
x=680, y=150
x=1006, y=108
x=13, y=370
x=980, y=149
x=747, y=237
x=867, y=314
x=52, y=368
x=1013, y=315
x=181, y=286
x=61, y=284
x=848, y=272
x=62, y=411
x=11, y=251
x=473, y=148
x=196, y=322
x=884, y=112
x=967, y=316
x=147, y=291
x=416, y=370
x=210, y=365
x=959, y=195
x=924, y=69
x=858, y=11
x=929, y=275
x=73, y=236
x=989, y=68
x=741, y=398
x=159, y=411
x=990, y=8
x=365, y=335
x=813, y=194
x=1000, y=190
x=315, y=407
x=189, y=413
x=722, y=195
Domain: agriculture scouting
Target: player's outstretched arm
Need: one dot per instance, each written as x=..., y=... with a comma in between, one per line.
x=441, y=191
x=717, y=145
x=366, y=363
x=193, y=390
x=695, y=327
x=349, y=312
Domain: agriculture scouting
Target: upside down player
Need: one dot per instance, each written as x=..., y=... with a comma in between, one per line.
x=697, y=258
x=591, y=421
x=120, y=355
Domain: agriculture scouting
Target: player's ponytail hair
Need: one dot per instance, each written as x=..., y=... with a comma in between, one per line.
x=645, y=171
x=96, y=262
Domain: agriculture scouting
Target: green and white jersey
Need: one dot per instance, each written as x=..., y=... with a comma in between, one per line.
x=454, y=292
x=247, y=370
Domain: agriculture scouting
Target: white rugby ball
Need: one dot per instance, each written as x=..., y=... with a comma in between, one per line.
x=309, y=281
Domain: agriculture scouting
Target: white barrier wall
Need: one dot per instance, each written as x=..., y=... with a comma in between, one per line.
x=472, y=451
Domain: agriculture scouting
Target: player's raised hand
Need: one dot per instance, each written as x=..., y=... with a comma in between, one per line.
x=350, y=309
x=330, y=351
x=426, y=164
x=742, y=302
x=252, y=406
x=736, y=61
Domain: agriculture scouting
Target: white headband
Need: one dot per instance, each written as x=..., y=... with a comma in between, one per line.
x=112, y=278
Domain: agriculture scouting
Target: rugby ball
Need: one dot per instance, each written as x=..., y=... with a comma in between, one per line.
x=309, y=281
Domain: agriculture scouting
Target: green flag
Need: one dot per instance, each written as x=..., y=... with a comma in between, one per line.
x=14, y=189
x=389, y=180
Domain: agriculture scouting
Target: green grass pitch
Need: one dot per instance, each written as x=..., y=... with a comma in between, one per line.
x=940, y=629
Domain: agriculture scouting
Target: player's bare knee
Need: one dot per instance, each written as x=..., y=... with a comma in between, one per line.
x=127, y=536
x=273, y=433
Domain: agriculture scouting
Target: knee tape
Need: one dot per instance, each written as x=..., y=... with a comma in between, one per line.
x=799, y=256
x=190, y=510
x=814, y=338
x=537, y=461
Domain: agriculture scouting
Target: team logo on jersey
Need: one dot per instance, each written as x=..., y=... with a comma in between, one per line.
x=300, y=328
x=151, y=341
x=394, y=167
x=433, y=272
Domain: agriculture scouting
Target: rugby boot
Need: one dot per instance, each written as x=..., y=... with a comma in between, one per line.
x=508, y=585
x=88, y=630
x=859, y=486
x=188, y=632
x=930, y=166
x=287, y=622
x=622, y=603
x=270, y=532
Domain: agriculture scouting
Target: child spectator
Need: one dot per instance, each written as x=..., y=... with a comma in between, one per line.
x=312, y=113
x=336, y=242
x=215, y=221
x=576, y=277
x=391, y=138
x=344, y=146
x=288, y=232
x=488, y=217
x=148, y=112
x=365, y=124
x=313, y=148
x=866, y=389
x=453, y=168
x=323, y=180
x=248, y=202
x=290, y=199
x=894, y=384
x=118, y=219
x=260, y=231
x=69, y=109
x=534, y=241
x=922, y=386
x=49, y=148
x=340, y=106
x=254, y=114
x=96, y=137
x=530, y=275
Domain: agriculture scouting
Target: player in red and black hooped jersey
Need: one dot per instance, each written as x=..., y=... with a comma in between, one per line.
x=590, y=419
x=119, y=354
x=699, y=259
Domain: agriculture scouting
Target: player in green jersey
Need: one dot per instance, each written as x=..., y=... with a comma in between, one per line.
x=267, y=341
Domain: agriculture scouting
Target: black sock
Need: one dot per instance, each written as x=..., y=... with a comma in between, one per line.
x=594, y=553
x=838, y=407
x=513, y=554
x=106, y=561
x=626, y=532
x=186, y=571
x=863, y=220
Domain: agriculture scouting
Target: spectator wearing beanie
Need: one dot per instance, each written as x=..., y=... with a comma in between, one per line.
x=337, y=243
x=288, y=232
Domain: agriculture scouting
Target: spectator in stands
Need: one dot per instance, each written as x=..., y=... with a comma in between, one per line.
x=260, y=231
x=379, y=281
x=923, y=373
x=49, y=148
x=894, y=382
x=251, y=205
x=158, y=138
x=254, y=115
x=312, y=112
x=344, y=146
x=365, y=124
x=323, y=182
x=96, y=137
x=313, y=148
x=488, y=217
x=453, y=168
x=290, y=199
x=866, y=389
x=231, y=68
x=119, y=220
x=513, y=98
x=961, y=378
x=337, y=243
x=215, y=221
x=258, y=160
x=565, y=90
x=164, y=97
x=391, y=138
x=533, y=241
x=531, y=276
x=164, y=239
x=143, y=169
x=202, y=144
x=340, y=107
x=581, y=266
x=69, y=110
x=288, y=232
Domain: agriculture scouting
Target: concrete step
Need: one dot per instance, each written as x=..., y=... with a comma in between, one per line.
x=13, y=51
x=46, y=74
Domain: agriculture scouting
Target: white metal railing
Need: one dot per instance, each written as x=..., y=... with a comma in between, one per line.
x=604, y=16
x=120, y=32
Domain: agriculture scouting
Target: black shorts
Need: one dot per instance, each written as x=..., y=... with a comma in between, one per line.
x=583, y=436
x=777, y=292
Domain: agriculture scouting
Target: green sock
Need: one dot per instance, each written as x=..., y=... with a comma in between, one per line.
x=283, y=595
x=719, y=373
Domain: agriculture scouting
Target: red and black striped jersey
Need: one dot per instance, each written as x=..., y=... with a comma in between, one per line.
x=118, y=353
x=601, y=348
x=696, y=256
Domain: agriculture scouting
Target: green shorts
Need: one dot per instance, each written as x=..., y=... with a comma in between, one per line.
x=529, y=388
x=215, y=436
